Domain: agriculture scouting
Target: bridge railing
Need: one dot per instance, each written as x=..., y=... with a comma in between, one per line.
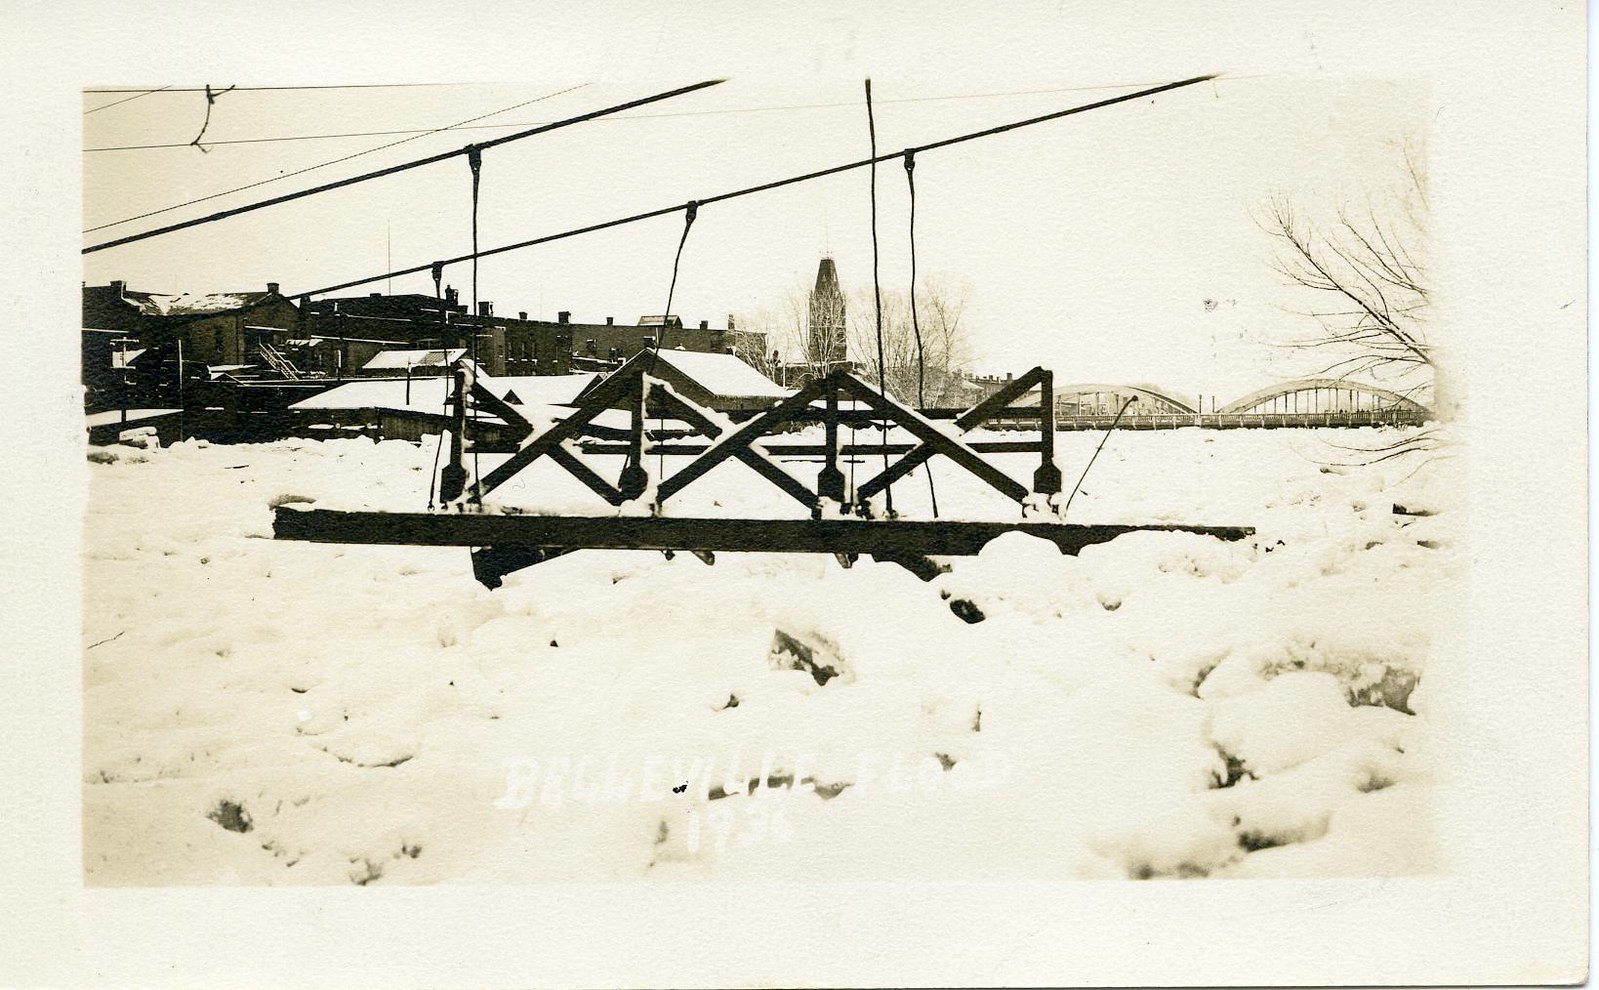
x=1252, y=420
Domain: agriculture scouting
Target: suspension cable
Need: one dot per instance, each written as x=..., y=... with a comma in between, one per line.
x=766, y=186
x=877, y=299
x=690, y=211
x=224, y=214
x=916, y=326
x=438, y=279
x=474, y=160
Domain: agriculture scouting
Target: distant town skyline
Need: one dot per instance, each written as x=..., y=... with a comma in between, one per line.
x=1118, y=244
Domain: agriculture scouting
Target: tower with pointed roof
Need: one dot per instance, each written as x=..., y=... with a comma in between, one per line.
x=826, y=330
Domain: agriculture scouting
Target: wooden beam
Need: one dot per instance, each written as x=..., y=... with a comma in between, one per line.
x=729, y=445
x=882, y=539
x=779, y=449
x=517, y=423
x=994, y=407
x=935, y=439
x=583, y=473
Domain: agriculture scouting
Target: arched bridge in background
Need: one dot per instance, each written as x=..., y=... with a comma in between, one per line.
x=1306, y=402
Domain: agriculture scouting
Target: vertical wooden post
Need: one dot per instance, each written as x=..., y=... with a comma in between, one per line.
x=452, y=477
x=634, y=479
x=1046, y=479
x=830, y=482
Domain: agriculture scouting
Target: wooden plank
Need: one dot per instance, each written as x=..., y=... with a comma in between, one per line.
x=936, y=440
x=993, y=407
x=882, y=539
x=729, y=445
x=597, y=401
x=695, y=416
x=519, y=425
x=776, y=475
x=585, y=474
x=797, y=449
x=687, y=411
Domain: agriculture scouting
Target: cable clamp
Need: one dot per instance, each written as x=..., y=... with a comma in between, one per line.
x=910, y=159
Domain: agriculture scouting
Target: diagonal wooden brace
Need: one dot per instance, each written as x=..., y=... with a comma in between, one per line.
x=933, y=439
x=740, y=439
x=995, y=405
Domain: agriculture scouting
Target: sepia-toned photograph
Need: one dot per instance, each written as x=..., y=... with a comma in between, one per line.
x=1068, y=465
x=676, y=483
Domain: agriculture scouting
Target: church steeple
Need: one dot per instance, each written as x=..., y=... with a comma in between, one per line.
x=826, y=344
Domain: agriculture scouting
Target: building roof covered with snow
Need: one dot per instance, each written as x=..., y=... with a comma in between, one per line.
x=429, y=395
x=402, y=360
x=723, y=382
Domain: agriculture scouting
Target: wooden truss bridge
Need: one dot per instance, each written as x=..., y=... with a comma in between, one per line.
x=843, y=521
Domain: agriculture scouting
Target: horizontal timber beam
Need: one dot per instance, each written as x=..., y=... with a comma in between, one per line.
x=806, y=449
x=879, y=538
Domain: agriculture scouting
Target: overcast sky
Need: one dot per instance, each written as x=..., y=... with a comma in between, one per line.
x=1089, y=244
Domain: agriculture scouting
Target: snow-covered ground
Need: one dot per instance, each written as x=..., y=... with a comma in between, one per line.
x=1163, y=705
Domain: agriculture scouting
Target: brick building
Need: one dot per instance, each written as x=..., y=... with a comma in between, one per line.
x=344, y=333
x=222, y=328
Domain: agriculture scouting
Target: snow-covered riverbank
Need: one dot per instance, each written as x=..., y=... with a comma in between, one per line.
x=1164, y=705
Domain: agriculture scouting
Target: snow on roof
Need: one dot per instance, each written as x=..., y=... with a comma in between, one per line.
x=429, y=394
x=400, y=360
x=426, y=395
x=133, y=415
x=157, y=304
x=527, y=390
x=723, y=374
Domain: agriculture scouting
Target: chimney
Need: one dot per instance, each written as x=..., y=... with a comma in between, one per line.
x=730, y=321
x=451, y=296
x=610, y=321
x=374, y=295
x=705, y=324
x=522, y=315
x=485, y=308
x=564, y=316
x=272, y=288
x=118, y=287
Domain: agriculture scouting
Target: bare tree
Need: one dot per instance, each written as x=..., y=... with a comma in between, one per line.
x=924, y=372
x=786, y=357
x=928, y=376
x=1367, y=274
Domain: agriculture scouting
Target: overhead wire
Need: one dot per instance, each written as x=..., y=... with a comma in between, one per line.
x=118, y=103
x=767, y=186
x=778, y=107
x=249, y=89
x=312, y=168
x=391, y=170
